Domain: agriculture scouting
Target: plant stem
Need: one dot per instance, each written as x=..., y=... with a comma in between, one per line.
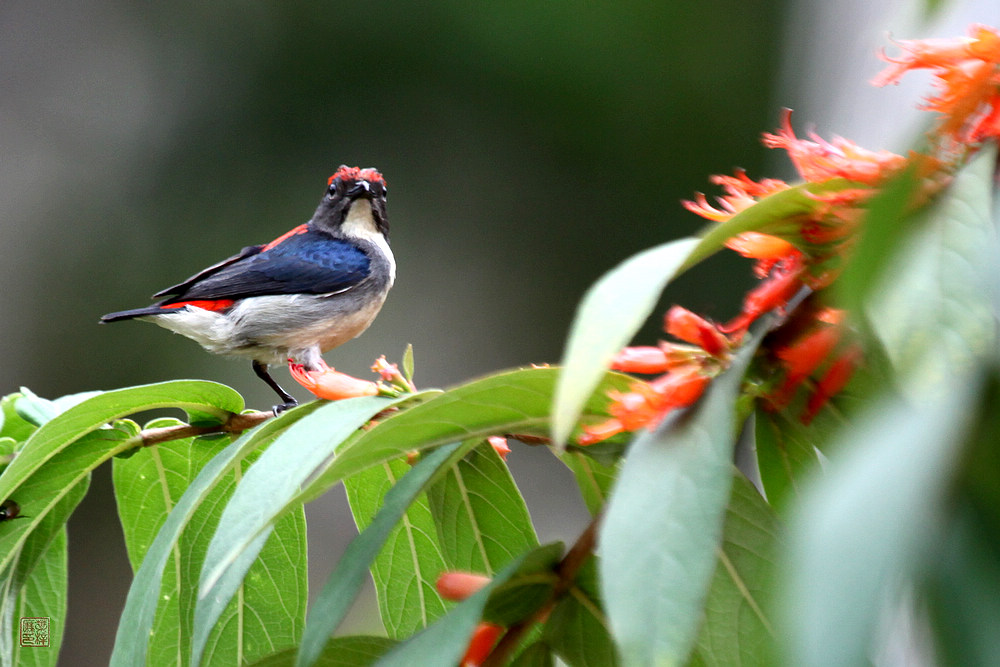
x=236, y=423
x=566, y=571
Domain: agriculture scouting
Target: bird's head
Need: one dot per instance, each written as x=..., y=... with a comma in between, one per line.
x=354, y=204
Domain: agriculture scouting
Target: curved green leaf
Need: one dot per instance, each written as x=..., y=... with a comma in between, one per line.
x=444, y=642
x=44, y=490
x=663, y=527
x=518, y=401
x=262, y=497
x=855, y=537
x=37, y=583
x=933, y=310
x=62, y=430
x=737, y=629
x=610, y=313
x=137, y=619
x=481, y=518
x=344, y=583
x=406, y=568
x=354, y=651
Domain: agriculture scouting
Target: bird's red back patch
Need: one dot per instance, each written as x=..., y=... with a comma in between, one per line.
x=213, y=305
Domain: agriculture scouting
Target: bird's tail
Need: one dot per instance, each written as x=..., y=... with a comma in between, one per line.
x=131, y=314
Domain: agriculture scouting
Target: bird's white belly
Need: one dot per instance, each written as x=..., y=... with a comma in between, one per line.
x=271, y=329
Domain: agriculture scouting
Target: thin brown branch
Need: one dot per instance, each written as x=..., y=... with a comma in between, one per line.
x=566, y=571
x=236, y=423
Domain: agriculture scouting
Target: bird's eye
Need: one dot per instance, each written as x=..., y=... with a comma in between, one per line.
x=332, y=190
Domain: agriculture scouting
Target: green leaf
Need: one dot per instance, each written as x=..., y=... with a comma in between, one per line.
x=355, y=651
x=144, y=595
x=610, y=313
x=36, y=583
x=536, y=655
x=444, y=642
x=408, y=363
x=269, y=608
x=594, y=479
x=933, y=311
x=12, y=424
x=406, y=568
x=92, y=414
x=888, y=219
x=785, y=454
x=963, y=576
x=43, y=492
x=482, y=521
x=616, y=305
x=263, y=496
x=147, y=487
x=577, y=630
x=664, y=524
x=737, y=629
x=516, y=401
x=344, y=583
x=862, y=528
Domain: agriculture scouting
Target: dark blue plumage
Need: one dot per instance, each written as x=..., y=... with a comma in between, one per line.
x=308, y=291
x=308, y=263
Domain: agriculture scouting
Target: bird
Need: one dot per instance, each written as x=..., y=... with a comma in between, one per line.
x=306, y=292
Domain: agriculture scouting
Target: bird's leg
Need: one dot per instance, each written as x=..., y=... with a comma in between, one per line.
x=288, y=401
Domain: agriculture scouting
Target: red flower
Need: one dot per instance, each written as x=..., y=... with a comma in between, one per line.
x=690, y=328
x=784, y=282
x=835, y=378
x=481, y=643
x=648, y=403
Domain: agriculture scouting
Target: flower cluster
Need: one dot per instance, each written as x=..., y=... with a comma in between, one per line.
x=967, y=72
x=332, y=385
x=801, y=254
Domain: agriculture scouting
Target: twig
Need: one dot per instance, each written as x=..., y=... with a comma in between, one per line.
x=566, y=571
x=236, y=423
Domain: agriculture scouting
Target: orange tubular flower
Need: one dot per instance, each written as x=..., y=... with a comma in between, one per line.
x=643, y=359
x=481, y=643
x=760, y=246
x=785, y=281
x=457, y=586
x=594, y=433
x=648, y=403
x=690, y=328
x=330, y=384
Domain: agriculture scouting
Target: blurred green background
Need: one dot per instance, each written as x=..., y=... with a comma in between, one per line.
x=528, y=147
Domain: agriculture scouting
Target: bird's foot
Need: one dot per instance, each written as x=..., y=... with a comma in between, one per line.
x=281, y=407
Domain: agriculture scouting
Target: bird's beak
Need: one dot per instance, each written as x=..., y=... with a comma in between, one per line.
x=360, y=189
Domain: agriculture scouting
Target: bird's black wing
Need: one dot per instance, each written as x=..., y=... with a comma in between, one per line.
x=307, y=263
x=180, y=287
